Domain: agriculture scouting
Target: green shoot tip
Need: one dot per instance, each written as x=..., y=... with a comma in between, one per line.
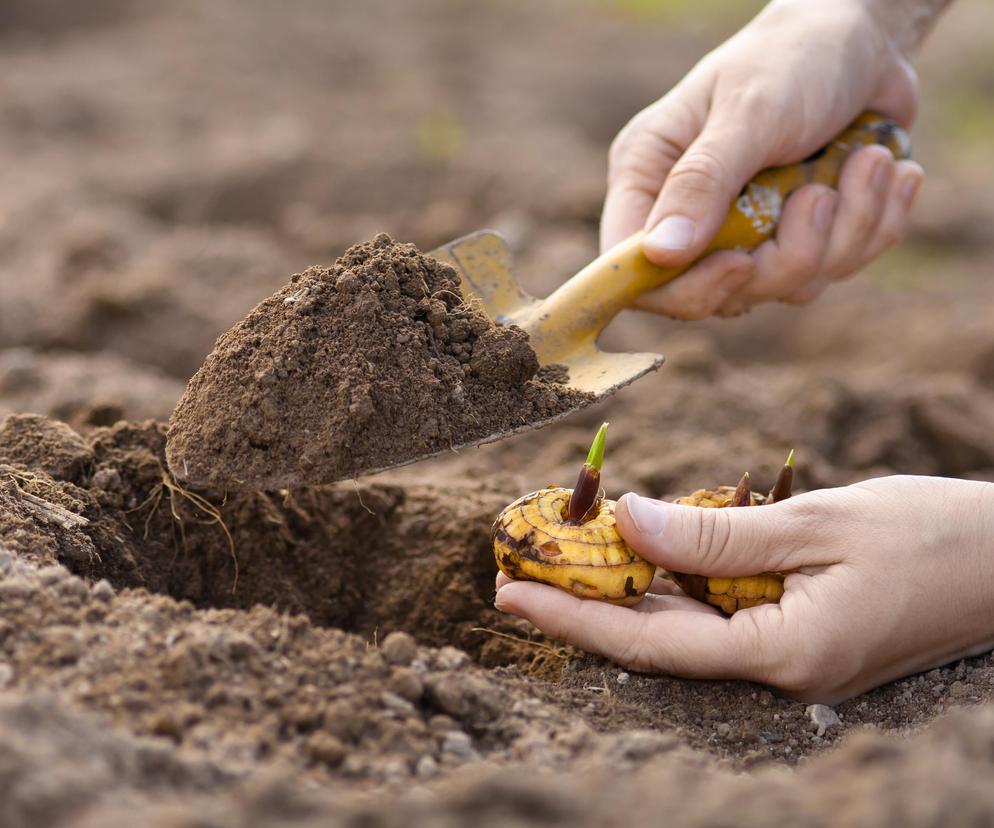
x=790, y=459
x=595, y=457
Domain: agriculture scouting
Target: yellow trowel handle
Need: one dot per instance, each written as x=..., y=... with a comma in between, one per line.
x=581, y=307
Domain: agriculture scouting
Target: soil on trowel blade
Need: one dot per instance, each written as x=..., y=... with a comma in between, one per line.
x=348, y=369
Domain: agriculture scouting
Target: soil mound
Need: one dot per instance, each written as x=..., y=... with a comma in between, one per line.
x=349, y=369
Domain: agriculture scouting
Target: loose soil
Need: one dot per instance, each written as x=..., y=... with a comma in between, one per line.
x=175, y=655
x=372, y=363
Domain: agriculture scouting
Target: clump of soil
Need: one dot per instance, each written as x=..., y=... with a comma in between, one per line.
x=371, y=363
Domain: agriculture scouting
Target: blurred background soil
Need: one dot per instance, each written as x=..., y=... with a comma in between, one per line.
x=168, y=166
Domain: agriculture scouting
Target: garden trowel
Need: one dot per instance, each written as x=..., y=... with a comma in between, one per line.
x=563, y=328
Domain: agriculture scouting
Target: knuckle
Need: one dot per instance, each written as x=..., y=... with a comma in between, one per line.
x=699, y=171
x=889, y=235
x=619, y=148
x=692, y=307
x=793, y=675
x=713, y=537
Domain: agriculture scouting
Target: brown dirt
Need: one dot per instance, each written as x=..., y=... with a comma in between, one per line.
x=354, y=368
x=167, y=166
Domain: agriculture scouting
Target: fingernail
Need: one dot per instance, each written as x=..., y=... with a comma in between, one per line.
x=646, y=515
x=909, y=189
x=824, y=212
x=881, y=175
x=498, y=604
x=672, y=233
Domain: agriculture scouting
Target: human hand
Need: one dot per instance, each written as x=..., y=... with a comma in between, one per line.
x=774, y=93
x=887, y=577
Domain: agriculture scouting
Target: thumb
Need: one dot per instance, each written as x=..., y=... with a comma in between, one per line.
x=699, y=189
x=719, y=542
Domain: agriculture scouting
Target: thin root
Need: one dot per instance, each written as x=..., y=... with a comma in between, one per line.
x=203, y=505
x=558, y=652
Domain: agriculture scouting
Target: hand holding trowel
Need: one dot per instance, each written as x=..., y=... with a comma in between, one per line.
x=266, y=439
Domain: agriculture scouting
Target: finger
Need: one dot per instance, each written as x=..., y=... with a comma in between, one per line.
x=793, y=258
x=696, y=194
x=670, y=603
x=642, y=155
x=808, y=293
x=906, y=183
x=693, y=644
x=722, y=542
x=863, y=188
x=701, y=290
x=662, y=594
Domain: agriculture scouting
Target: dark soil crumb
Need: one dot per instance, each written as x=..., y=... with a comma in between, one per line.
x=371, y=363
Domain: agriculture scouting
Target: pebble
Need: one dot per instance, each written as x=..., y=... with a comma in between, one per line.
x=427, y=767
x=463, y=695
x=394, y=702
x=958, y=689
x=823, y=716
x=406, y=684
x=450, y=658
x=772, y=738
x=102, y=590
x=723, y=729
x=399, y=648
x=623, y=678
x=440, y=725
x=326, y=749
x=458, y=744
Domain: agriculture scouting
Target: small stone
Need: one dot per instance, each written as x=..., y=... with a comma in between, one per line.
x=399, y=648
x=392, y=701
x=450, y=658
x=723, y=729
x=623, y=678
x=765, y=698
x=103, y=591
x=458, y=744
x=958, y=689
x=326, y=749
x=427, y=767
x=440, y=725
x=406, y=684
x=823, y=716
x=464, y=695
x=772, y=738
